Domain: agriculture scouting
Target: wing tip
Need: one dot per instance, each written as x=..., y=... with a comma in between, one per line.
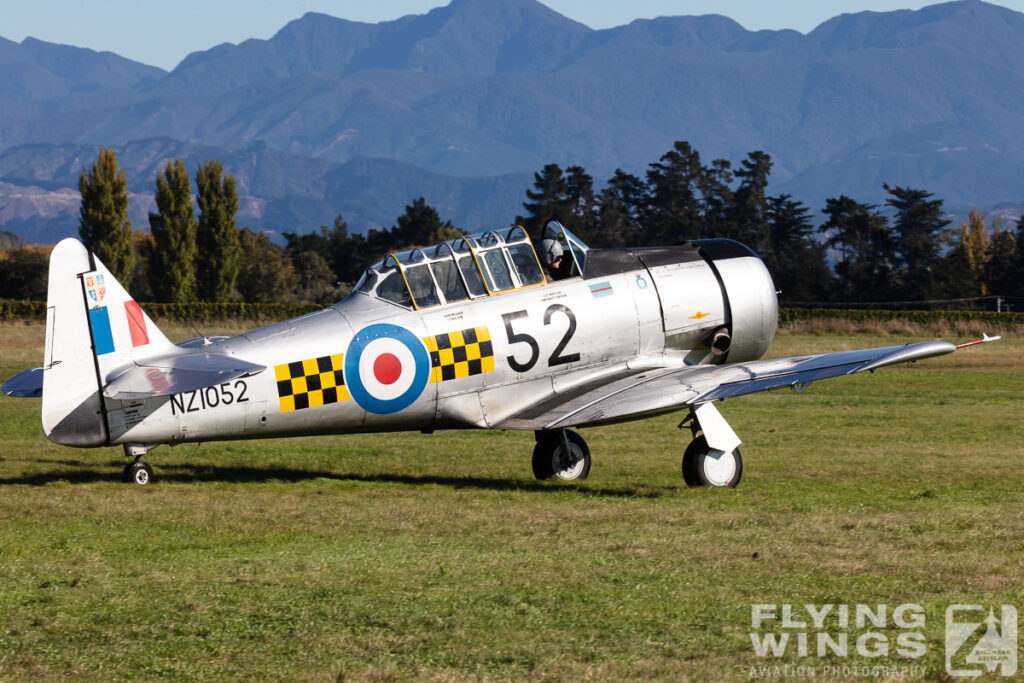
x=984, y=340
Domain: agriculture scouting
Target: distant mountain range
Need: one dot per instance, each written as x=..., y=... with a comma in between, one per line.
x=461, y=105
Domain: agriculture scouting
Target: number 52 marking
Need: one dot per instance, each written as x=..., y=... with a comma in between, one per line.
x=556, y=357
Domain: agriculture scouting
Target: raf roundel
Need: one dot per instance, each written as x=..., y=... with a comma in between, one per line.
x=386, y=368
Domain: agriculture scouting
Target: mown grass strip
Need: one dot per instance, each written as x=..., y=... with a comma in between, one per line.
x=400, y=556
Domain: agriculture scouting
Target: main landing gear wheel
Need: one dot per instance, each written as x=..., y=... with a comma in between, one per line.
x=552, y=459
x=702, y=468
x=138, y=472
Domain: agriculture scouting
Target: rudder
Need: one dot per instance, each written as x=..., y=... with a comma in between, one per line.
x=94, y=331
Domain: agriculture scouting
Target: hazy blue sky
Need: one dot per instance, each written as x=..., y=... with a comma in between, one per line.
x=162, y=33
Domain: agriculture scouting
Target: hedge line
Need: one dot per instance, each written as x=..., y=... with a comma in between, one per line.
x=207, y=312
x=16, y=310
x=991, y=318
x=193, y=312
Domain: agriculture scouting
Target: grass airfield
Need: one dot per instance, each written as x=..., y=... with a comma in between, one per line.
x=439, y=557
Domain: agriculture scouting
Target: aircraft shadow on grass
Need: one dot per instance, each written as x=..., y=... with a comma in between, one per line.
x=184, y=474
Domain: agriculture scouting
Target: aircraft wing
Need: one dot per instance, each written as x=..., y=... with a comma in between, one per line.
x=177, y=374
x=665, y=389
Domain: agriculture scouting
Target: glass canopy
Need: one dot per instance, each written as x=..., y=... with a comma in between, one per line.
x=481, y=264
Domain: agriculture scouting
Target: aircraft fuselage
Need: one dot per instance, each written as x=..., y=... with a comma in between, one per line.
x=368, y=364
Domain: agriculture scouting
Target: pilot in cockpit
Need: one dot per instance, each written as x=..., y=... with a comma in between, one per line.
x=551, y=255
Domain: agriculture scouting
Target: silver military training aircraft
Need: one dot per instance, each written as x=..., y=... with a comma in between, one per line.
x=469, y=333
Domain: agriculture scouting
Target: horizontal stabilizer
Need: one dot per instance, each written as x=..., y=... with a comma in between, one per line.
x=177, y=374
x=26, y=384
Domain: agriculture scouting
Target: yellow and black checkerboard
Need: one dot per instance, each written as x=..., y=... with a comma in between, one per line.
x=463, y=353
x=311, y=383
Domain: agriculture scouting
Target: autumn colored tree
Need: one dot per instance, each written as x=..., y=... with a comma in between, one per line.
x=964, y=264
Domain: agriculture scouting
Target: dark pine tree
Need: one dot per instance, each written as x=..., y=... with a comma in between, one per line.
x=618, y=212
x=579, y=197
x=672, y=208
x=795, y=259
x=564, y=197
x=346, y=255
x=548, y=201
x=420, y=226
x=748, y=217
x=1017, y=290
x=917, y=229
x=267, y=274
x=717, y=199
x=865, y=250
x=1000, y=270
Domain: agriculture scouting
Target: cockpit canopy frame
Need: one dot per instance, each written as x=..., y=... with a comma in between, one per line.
x=469, y=267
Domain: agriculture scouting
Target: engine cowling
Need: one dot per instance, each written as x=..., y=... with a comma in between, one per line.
x=752, y=307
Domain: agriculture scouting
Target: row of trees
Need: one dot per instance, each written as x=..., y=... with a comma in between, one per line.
x=858, y=252
x=185, y=258
x=203, y=256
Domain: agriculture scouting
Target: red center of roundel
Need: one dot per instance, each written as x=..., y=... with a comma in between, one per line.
x=387, y=368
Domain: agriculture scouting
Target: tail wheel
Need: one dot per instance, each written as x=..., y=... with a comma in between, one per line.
x=552, y=459
x=704, y=467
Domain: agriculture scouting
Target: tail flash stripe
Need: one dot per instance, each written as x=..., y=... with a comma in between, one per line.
x=102, y=338
x=136, y=323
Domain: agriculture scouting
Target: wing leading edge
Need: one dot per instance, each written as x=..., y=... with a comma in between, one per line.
x=667, y=389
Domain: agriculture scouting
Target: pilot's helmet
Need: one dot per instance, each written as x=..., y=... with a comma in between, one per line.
x=550, y=251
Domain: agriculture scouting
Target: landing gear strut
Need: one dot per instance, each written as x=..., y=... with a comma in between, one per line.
x=561, y=453
x=137, y=471
x=703, y=464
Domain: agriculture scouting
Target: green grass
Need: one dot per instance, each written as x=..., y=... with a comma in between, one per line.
x=408, y=556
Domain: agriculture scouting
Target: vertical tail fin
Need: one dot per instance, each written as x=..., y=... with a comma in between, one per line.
x=94, y=331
